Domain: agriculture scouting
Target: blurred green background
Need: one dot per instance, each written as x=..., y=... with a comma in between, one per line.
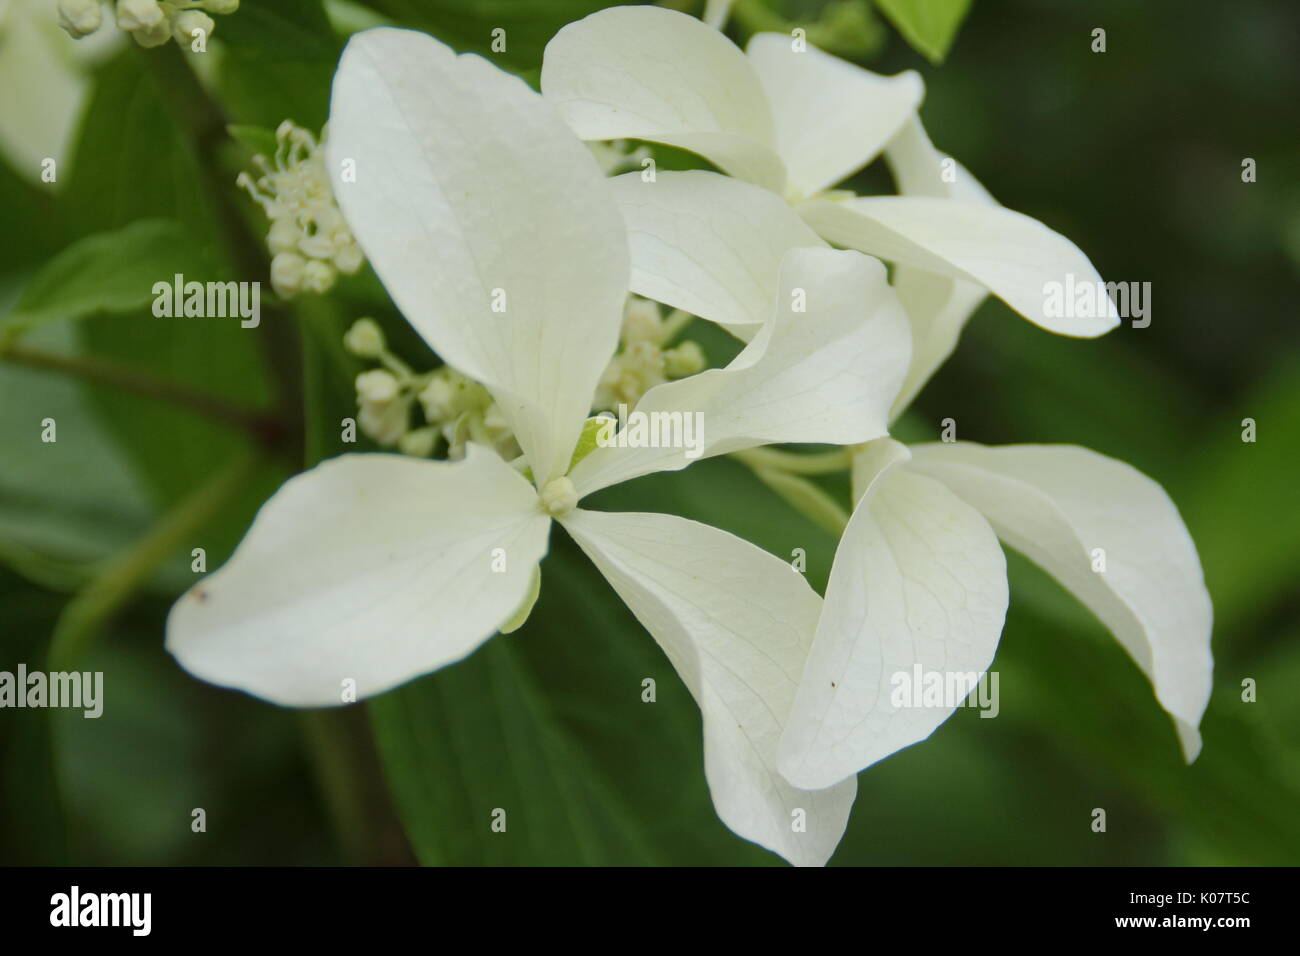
x=1134, y=153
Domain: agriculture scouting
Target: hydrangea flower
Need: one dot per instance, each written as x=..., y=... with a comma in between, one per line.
x=797, y=121
x=371, y=569
x=918, y=576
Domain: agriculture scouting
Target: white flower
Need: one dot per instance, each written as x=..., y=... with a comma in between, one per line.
x=918, y=576
x=377, y=568
x=798, y=122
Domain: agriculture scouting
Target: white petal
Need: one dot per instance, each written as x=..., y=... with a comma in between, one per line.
x=709, y=244
x=468, y=183
x=938, y=306
x=921, y=170
x=830, y=117
x=736, y=623
x=654, y=74
x=1056, y=504
x=374, y=568
x=918, y=580
x=827, y=375
x=1012, y=255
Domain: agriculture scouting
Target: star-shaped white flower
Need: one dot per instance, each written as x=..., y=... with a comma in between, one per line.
x=469, y=192
x=918, y=576
x=798, y=121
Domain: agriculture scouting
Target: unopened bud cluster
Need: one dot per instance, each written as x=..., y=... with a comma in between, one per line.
x=309, y=241
x=455, y=409
x=150, y=22
x=642, y=361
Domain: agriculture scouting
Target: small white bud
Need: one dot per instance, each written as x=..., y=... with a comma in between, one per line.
x=286, y=273
x=283, y=237
x=641, y=322
x=139, y=14
x=153, y=36
x=364, y=339
x=686, y=359
x=418, y=443
x=80, y=17
x=318, y=276
x=186, y=22
x=349, y=259
x=377, y=385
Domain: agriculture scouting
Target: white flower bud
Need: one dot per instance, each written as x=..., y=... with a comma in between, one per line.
x=349, y=259
x=139, y=14
x=318, y=276
x=153, y=36
x=286, y=273
x=186, y=22
x=641, y=322
x=80, y=17
x=686, y=359
x=437, y=399
x=418, y=443
x=377, y=386
x=283, y=237
x=364, y=339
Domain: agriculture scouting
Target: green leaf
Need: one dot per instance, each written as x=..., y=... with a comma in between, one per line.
x=930, y=26
x=108, y=272
x=479, y=740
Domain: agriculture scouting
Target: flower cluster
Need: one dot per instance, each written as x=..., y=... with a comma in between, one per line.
x=309, y=241
x=456, y=409
x=150, y=22
x=481, y=185
x=643, y=360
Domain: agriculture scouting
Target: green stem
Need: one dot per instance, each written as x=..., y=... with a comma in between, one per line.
x=806, y=498
x=87, y=612
x=324, y=733
x=261, y=426
x=820, y=463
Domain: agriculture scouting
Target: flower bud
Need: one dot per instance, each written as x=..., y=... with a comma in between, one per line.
x=418, y=443
x=186, y=22
x=220, y=6
x=377, y=386
x=686, y=359
x=286, y=273
x=139, y=15
x=80, y=17
x=318, y=276
x=364, y=339
x=153, y=36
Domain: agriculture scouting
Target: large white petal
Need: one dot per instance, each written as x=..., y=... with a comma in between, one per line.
x=1056, y=504
x=827, y=375
x=648, y=73
x=919, y=579
x=1010, y=254
x=709, y=244
x=467, y=183
x=830, y=117
x=938, y=306
x=736, y=623
x=375, y=568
